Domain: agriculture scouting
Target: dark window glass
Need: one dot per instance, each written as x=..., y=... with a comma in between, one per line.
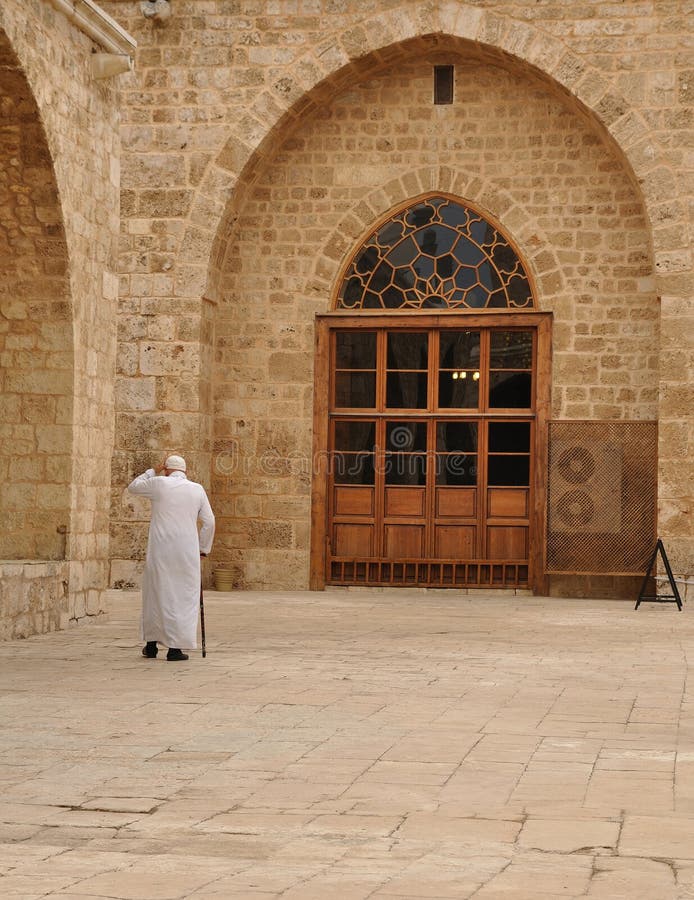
x=519, y=292
x=357, y=436
x=436, y=239
x=355, y=390
x=372, y=301
x=408, y=350
x=355, y=350
x=353, y=468
x=489, y=278
x=353, y=291
x=420, y=215
x=459, y=390
x=406, y=436
x=405, y=468
x=509, y=470
x=456, y=436
x=393, y=298
x=381, y=278
x=459, y=350
x=390, y=234
x=468, y=254
x=456, y=468
x=404, y=253
x=406, y=390
x=509, y=437
x=424, y=267
x=511, y=350
x=510, y=390
x=504, y=258
x=367, y=260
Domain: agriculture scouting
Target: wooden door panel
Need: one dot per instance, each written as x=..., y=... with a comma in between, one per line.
x=456, y=502
x=472, y=501
x=507, y=503
x=354, y=501
x=404, y=541
x=353, y=540
x=455, y=542
x=404, y=501
x=507, y=542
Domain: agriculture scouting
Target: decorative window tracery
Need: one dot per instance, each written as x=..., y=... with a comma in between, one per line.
x=436, y=254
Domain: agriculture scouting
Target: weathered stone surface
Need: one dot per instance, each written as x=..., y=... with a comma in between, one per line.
x=59, y=202
x=353, y=744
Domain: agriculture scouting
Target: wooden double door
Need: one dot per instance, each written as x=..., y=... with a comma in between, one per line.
x=429, y=438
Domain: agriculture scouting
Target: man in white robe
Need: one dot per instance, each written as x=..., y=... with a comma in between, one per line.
x=171, y=580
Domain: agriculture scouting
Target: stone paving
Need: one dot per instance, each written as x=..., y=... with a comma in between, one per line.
x=347, y=744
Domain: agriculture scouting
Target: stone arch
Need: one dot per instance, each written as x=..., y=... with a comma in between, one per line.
x=374, y=44
x=536, y=250
x=36, y=331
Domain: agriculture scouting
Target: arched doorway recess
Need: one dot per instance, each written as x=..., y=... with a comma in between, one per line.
x=432, y=398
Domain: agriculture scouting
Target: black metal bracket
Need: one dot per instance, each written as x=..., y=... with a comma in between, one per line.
x=674, y=597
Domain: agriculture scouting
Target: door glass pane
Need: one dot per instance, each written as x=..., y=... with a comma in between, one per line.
x=459, y=350
x=459, y=389
x=355, y=350
x=456, y=468
x=406, y=436
x=406, y=390
x=511, y=350
x=507, y=437
x=408, y=350
x=355, y=390
x=353, y=468
x=508, y=470
x=355, y=436
x=510, y=390
x=406, y=468
x=456, y=436
x=459, y=360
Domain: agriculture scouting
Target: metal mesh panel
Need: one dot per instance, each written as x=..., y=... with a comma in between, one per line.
x=601, y=497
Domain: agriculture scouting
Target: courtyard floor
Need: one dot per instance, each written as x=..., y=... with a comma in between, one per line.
x=354, y=744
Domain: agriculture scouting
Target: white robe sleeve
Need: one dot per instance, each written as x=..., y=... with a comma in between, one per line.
x=143, y=483
x=206, y=517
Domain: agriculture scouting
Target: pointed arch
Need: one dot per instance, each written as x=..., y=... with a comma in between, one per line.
x=499, y=206
x=363, y=50
x=435, y=251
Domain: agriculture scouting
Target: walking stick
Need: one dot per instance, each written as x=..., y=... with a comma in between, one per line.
x=202, y=622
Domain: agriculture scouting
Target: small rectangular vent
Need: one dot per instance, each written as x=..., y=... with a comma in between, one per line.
x=443, y=85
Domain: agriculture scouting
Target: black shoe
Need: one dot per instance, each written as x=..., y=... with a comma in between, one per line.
x=150, y=649
x=175, y=654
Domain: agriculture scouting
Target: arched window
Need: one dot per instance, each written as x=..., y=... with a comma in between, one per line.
x=436, y=254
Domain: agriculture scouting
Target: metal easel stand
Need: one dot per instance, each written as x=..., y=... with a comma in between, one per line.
x=657, y=597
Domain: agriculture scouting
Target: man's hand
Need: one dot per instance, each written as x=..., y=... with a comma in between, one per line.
x=202, y=554
x=160, y=468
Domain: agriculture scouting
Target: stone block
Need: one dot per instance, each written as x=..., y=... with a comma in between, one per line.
x=161, y=358
x=135, y=393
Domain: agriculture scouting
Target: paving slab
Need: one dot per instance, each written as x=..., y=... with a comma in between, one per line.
x=354, y=744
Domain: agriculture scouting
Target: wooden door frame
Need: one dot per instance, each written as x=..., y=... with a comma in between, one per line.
x=325, y=323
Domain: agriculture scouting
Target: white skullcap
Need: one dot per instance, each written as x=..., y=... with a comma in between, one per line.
x=175, y=462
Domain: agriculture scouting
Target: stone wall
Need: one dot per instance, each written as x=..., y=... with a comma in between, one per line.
x=237, y=112
x=33, y=598
x=35, y=332
x=59, y=315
